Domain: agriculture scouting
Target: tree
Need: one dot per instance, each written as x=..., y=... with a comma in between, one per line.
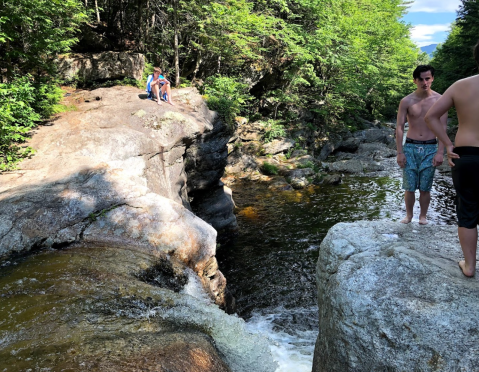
x=453, y=59
x=33, y=32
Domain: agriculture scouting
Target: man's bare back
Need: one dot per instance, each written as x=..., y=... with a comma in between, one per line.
x=464, y=158
x=464, y=95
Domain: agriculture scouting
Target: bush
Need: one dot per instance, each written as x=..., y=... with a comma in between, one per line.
x=269, y=169
x=22, y=105
x=273, y=129
x=227, y=96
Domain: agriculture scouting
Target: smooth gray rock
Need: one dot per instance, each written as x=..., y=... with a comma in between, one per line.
x=349, y=145
x=100, y=66
x=376, y=150
x=276, y=146
x=383, y=135
x=347, y=166
x=298, y=153
x=300, y=173
x=326, y=150
x=113, y=173
x=392, y=298
x=332, y=179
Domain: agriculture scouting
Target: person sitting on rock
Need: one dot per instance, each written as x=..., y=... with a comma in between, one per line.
x=157, y=85
x=421, y=153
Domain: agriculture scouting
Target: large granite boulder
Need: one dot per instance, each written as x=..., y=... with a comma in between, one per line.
x=113, y=173
x=101, y=66
x=392, y=298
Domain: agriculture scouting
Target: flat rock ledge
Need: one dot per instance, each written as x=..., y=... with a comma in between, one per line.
x=392, y=298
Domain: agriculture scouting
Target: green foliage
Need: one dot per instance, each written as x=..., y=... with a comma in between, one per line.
x=33, y=32
x=453, y=59
x=269, y=169
x=227, y=96
x=22, y=105
x=17, y=117
x=273, y=129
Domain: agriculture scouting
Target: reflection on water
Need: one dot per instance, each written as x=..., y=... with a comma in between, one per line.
x=270, y=265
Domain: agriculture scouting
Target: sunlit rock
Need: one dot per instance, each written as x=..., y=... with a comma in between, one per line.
x=107, y=175
x=392, y=298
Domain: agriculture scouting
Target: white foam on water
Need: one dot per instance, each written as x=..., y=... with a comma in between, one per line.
x=194, y=287
x=292, y=349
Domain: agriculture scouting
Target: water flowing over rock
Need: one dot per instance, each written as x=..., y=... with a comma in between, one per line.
x=101, y=66
x=98, y=309
x=113, y=174
x=392, y=298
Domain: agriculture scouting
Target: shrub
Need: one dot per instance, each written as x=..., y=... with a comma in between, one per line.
x=22, y=105
x=227, y=96
x=269, y=169
x=273, y=129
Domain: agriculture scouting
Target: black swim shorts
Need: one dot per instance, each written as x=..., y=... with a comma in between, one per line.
x=465, y=176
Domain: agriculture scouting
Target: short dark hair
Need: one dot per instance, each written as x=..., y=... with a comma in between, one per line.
x=476, y=52
x=422, y=68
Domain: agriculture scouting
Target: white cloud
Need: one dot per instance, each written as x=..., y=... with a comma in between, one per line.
x=434, y=6
x=424, y=34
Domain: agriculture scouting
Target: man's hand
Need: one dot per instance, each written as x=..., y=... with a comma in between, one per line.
x=437, y=160
x=451, y=155
x=401, y=159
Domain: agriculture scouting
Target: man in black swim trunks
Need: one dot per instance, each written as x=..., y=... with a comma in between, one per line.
x=463, y=158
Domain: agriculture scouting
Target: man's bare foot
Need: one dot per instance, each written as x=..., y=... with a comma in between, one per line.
x=467, y=272
x=158, y=101
x=171, y=103
x=406, y=219
x=423, y=220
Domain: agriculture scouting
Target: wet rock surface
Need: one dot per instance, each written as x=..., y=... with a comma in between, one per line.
x=88, y=309
x=392, y=297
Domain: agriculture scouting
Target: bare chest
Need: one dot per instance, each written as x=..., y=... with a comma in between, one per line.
x=418, y=110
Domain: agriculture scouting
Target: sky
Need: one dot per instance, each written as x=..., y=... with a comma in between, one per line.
x=431, y=20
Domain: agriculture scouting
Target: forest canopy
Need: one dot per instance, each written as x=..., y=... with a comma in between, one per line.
x=319, y=63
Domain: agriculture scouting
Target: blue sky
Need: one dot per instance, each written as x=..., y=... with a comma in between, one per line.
x=431, y=20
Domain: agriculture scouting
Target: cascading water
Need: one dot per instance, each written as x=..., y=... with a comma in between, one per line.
x=270, y=265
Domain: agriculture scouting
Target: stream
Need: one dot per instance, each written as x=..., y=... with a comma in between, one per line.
x=270, y=265
x=91, y=308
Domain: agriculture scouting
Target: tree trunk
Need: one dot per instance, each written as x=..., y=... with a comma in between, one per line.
x=219, y=65
x=199, y=59
x=176, y=47
x=97, y=11
x=86, y=3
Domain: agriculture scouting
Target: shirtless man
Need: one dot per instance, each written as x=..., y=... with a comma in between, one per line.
x=463, y=158
x=421, y=153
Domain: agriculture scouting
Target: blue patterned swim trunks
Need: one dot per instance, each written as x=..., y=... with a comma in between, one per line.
x=419, y=171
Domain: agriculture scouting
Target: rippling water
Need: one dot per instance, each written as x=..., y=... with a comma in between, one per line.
x=270, y=265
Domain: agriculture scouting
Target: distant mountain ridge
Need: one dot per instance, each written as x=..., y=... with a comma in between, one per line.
x=429, y=49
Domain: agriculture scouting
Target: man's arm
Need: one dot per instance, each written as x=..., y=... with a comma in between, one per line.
x=401, y=121
x=439, y=157
x=436, y=120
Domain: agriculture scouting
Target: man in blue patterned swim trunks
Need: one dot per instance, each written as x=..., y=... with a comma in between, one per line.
x=421, y=153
